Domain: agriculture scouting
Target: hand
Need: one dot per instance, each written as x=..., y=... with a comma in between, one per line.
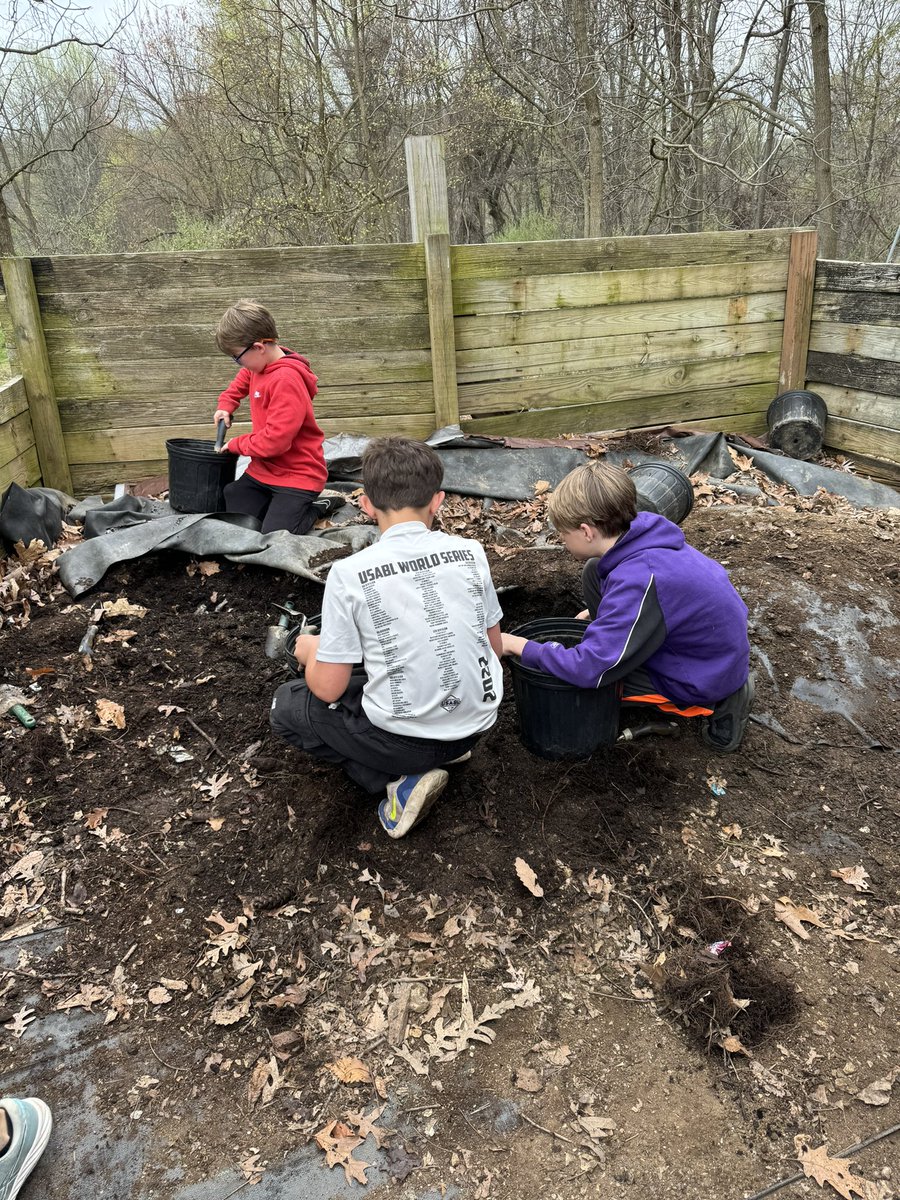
x=512, y=644
x=221, y=449
x=584, y=615
x=305, y=648
x=221, y=415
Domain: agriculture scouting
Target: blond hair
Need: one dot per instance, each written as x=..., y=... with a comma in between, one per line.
x=594, y=494
x=244, y=323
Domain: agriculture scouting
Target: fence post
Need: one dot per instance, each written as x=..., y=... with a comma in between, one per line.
x=32, y=361
x=798, y=302
x=427, y=178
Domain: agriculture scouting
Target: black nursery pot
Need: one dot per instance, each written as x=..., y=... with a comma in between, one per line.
x=198, y=475
x=796, y=422
x=663, y=489
x=557, y=720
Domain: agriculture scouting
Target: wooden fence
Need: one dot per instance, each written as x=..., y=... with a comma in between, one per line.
x=18, y=453
x=854, y=359
x=535, y=339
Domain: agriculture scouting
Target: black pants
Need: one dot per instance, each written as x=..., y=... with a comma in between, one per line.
x=277, y=508
x=341, y=733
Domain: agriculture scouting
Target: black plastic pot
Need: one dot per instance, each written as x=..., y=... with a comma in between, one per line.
x=198, y=475
x=556, y=719
x=663, y=489
x=796, y=422
x=313, y=625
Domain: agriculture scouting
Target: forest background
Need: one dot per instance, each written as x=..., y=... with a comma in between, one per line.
x=272, y=122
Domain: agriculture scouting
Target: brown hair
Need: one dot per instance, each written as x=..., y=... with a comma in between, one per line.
x=594, y=494
x=244, y=323
x=398, y=472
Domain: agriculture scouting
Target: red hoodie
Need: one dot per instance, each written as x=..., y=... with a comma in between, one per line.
x=285, y=446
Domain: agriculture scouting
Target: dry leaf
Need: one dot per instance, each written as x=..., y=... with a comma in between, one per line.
x=159, y=995
x=95, y=817
x=836, y=1172
x=20, y=1021
x=122, y=608
x=541, y=487
x=733, y=831
x=264, y=1082
x=109, y=713
x=350, y=1070
x=252, y=1170
x=174, y=985
x=734, y=1045
x=88, y=995
x=527, y=1079
x=339, y=1141
x=597, y=1127
x=792, y=915
x=216, y=823
x=207, y=568
x=233, y=1006
x=857, y=877
x=365, y=1125
x=876, y=1093
x=528, y=877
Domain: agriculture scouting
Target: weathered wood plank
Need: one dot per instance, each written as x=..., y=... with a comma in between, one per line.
x=24, y=470
x=168, y=343
x=293, y=306
x=739, y=409
x=13, y=399
x=16, y=436
x=872, y=440
x=877, y=469
x=426, y=175
x=861, y=374
x=639, y=350
x=857, y=308
x=247, y=273
x=868, y=341
x=510, y=329
x=28, y=337
x=535, y=293
x=867, y=407
x=797, y=308
x=197, y=407
x=618, y=383
x=503, y=259
x=93, y=476
x=832, y=276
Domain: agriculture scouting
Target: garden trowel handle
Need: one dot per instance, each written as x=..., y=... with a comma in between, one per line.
x=220, y=435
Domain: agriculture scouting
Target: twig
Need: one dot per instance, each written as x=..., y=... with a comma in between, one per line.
x=544, y=1129
x=783, y=1183
x=193, y=724
x=771, y=728
x=239, y=1188
x=620, y=996
x=163, y=1061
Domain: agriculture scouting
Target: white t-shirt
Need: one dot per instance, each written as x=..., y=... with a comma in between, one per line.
x=415, y=608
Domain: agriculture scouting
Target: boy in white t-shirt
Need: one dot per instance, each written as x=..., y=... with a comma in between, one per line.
x=419, y=612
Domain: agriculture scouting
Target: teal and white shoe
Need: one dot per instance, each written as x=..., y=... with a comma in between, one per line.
x=30, y=1123
x=408, y=800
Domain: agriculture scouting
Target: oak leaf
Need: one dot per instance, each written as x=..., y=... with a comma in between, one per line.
x=110, y=714
x=528, y=877
x=265, y=1081
x=857, y=877
x=818, y=1165
x=350, y=1070
x=793, y=915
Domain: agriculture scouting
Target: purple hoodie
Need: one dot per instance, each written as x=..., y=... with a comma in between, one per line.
x=665, y=607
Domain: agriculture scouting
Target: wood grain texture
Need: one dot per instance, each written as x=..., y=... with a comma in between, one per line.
x=13, y=398
x=867, y=341
x=872, y=440
x=501, y=260
x=867, y=407
x=801, y=282
x=536, y=293
x=834, y=276
x=24, y=470
x=849, y=371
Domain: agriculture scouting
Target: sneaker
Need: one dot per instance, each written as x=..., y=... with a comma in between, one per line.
x=454, y=762
x=325, y=505
x=408, y=800
x=724, y=730
x=29, y=1124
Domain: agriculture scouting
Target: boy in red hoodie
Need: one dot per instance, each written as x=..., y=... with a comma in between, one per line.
x=287, y=467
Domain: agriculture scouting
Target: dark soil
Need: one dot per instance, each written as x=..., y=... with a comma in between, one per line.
x=141, y=848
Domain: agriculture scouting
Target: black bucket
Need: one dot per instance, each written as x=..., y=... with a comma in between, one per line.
x=198, y=475
x=556, y=719
x=796, y=422
x=663, y=489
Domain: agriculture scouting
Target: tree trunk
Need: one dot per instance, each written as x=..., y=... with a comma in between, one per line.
x=775, y=99
x=594, y=192
x=6, y=237
x=821, y=64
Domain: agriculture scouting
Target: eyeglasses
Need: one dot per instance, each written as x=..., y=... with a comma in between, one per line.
x=237, y=357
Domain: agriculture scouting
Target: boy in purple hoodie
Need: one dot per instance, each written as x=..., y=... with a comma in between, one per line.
x=666, y=622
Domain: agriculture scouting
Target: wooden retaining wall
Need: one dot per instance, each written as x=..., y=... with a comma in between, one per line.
x=555, y=337
x=18, y=453
x=854, y=360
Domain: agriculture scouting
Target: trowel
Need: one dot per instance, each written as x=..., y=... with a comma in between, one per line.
x=14, y=701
